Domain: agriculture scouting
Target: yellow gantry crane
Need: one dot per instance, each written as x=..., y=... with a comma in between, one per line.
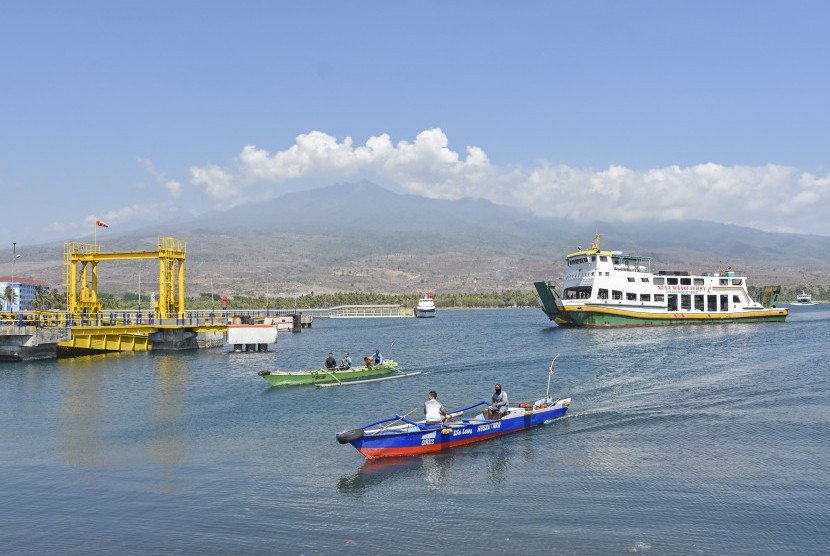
x=81, y=269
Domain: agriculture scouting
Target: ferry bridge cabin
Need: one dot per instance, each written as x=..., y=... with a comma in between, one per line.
x=609, y=288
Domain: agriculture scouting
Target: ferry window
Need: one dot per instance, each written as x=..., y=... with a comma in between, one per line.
x=685, y=281
x=659, y=280
x=616, y=294
x=580, y=292
x=659, y=297
x=724, y=302
x=603, y=258
x=723, y=282
x=672, y=304
x=593, y=258
x=711, y=303
x=603, y=293
x=736, y=299
x=644, y=279
x=607, y=274
x=736, y=281
x=631, y=296
x=645, y=297
x=630, y=278
x=698, y=281
x=686, y=302
x=671, y=281
x=698, y=303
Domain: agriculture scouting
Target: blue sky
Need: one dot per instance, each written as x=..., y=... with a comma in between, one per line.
x=136, y=113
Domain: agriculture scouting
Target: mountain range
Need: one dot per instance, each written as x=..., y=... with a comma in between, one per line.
x=362, y=237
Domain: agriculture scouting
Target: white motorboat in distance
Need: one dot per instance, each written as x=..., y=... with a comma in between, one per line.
x=804, y=299
x=426, y=306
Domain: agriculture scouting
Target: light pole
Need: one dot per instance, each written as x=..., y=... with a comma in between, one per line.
x=15, y=256
x=267, y=289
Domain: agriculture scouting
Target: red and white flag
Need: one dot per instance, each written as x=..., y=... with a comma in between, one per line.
x=102, y=224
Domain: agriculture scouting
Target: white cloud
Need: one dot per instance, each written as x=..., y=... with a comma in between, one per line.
x=173, y=187
x=770, y=197
x=217, y=183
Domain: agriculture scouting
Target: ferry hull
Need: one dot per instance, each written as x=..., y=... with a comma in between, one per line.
x=598, y=317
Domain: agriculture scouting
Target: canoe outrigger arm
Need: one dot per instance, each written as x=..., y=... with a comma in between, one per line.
x=344, y=383
x=456, y=413
x=334, y=377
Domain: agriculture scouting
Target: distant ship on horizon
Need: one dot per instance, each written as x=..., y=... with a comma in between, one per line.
x=426, y=306
x=804, y=299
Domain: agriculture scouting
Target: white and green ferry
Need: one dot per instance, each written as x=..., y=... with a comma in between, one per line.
x=610, y=288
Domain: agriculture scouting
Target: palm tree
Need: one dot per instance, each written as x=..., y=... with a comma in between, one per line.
x=9, y=297
x=39, y=302
x=56, y=300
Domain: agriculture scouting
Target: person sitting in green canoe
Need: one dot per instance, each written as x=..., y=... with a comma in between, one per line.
x=346, y=362
x=331, y=364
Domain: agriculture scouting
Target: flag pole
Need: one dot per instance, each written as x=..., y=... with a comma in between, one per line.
x=550, y=374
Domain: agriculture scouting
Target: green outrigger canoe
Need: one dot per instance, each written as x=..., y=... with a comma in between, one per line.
x=326, y=376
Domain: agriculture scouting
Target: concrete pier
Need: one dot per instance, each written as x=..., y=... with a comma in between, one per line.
x=174, y=339
x=253, y=337
x=22, y=343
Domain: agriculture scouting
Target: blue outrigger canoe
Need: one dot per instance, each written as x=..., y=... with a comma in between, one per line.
x=410, y=438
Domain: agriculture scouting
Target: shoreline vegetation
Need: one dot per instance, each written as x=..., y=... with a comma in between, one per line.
x=506, y=298
x=477, y=300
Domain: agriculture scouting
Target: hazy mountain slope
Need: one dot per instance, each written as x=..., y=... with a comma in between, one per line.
x=363, y=237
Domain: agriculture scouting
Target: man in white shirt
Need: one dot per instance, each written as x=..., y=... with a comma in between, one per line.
x=434, y=412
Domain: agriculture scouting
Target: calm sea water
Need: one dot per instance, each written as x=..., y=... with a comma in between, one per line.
x=687, y=440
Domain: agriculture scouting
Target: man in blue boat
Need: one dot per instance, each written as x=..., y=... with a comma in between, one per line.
x=331, y=364
x=498, y=404
x=378, y=357
x=434, y=412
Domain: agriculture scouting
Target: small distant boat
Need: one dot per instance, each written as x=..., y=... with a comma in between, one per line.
x=426, y=306
x=411, y=438
x=804, y=298
x=329, y=376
